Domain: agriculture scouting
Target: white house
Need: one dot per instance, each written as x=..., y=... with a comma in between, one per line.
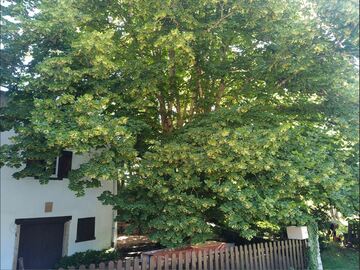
x=41, y=223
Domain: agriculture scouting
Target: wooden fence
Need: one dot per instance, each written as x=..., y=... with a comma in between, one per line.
x=282, y=255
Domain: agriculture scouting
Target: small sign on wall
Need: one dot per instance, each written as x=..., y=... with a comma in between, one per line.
x=48, y=207
x=297, y=232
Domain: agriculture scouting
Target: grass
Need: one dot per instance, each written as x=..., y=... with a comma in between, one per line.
x=336, y=257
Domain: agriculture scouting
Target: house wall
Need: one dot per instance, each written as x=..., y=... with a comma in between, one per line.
x=26, y=198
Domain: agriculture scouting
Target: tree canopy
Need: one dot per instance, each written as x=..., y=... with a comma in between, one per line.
x=238, y=114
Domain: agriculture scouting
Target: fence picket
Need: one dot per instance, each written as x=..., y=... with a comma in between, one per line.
x=266, y=255
x=166, y=262
x=152, y=263
x=136, y=263
x=294, y=252
x=144, y=263
x=193, y=260
x=205, y=259
x=216, y=261
x=232, y=259
x=259, y=256
x=159, y=263
x=119, y=265
x=181, y=260
x=187, y=260
x=227, y=259
x=174, y=262
x=301, y=254
x=222, y=259
x=247, y=257
x=211, y=259
x=111, y=265
x=237, y=258
x=287, y=254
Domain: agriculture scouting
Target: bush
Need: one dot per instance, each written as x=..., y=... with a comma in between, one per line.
x=88, y=257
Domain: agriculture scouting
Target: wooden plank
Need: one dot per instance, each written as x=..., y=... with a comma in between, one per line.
x=82, y=267
x=119, y=265
x=137, y=263
x=282, y=247
x=71, y=268
x=271, y=255
x=251, y=257
x=256, y=257
x=211, y=259
x=232, y=258
x=174, y=262
x=266, y=255
x=200, y=260
x=152, y=263
x=246, y=256
x=205, y=259
x=291, y=254
x=301, y=244
x=295, y=254
x=128, y=264
x=144, y=263
x=297, y=244
x=111, y=265
x=193, y=260
x=217, y=260
x=159, y=262
x=241, y=264
x=222, y=259
x=181, y=261
x=166, y=262
x=237, y=258
x=287, y=254
x=227, y=258
x=259, y=256
x=102, y=266
x=277, y=255
x=187, y=260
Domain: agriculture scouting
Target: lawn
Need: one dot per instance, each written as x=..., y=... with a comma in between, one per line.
x=337, y=257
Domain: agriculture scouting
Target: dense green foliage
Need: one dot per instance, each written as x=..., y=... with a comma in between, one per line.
x=88, y=257
x=239, y=114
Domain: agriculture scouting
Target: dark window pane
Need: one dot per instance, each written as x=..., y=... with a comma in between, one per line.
x=64, y=166
x=85, y=229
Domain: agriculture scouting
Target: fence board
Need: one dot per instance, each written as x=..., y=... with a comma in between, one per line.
x=301, y=254
x=152, y=264
x=181, y=261
x=217, y=261
x=294, y=252
x=227, y=259
x=237, y=258
x=119, y=265
x=287, y=254
x=211, y=259
x=222, y=259
x=232, y=258
x=187, y=260
x=144, y=263
x=205, y=259
x=193, y=260
x=247, y=257
x=166, y=262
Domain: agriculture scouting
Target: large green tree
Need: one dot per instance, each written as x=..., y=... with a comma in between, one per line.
x=239, y=114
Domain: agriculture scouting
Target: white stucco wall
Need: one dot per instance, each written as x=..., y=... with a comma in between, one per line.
x=26, y=198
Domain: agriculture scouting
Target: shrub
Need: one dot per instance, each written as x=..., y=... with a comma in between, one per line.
x=88, y=257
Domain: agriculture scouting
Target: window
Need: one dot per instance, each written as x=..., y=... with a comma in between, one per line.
x=61, y=166
x=85, y=229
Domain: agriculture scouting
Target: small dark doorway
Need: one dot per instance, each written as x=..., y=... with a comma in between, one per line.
x=41, y=241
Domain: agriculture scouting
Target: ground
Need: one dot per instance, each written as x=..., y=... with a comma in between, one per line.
x=335, y=257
